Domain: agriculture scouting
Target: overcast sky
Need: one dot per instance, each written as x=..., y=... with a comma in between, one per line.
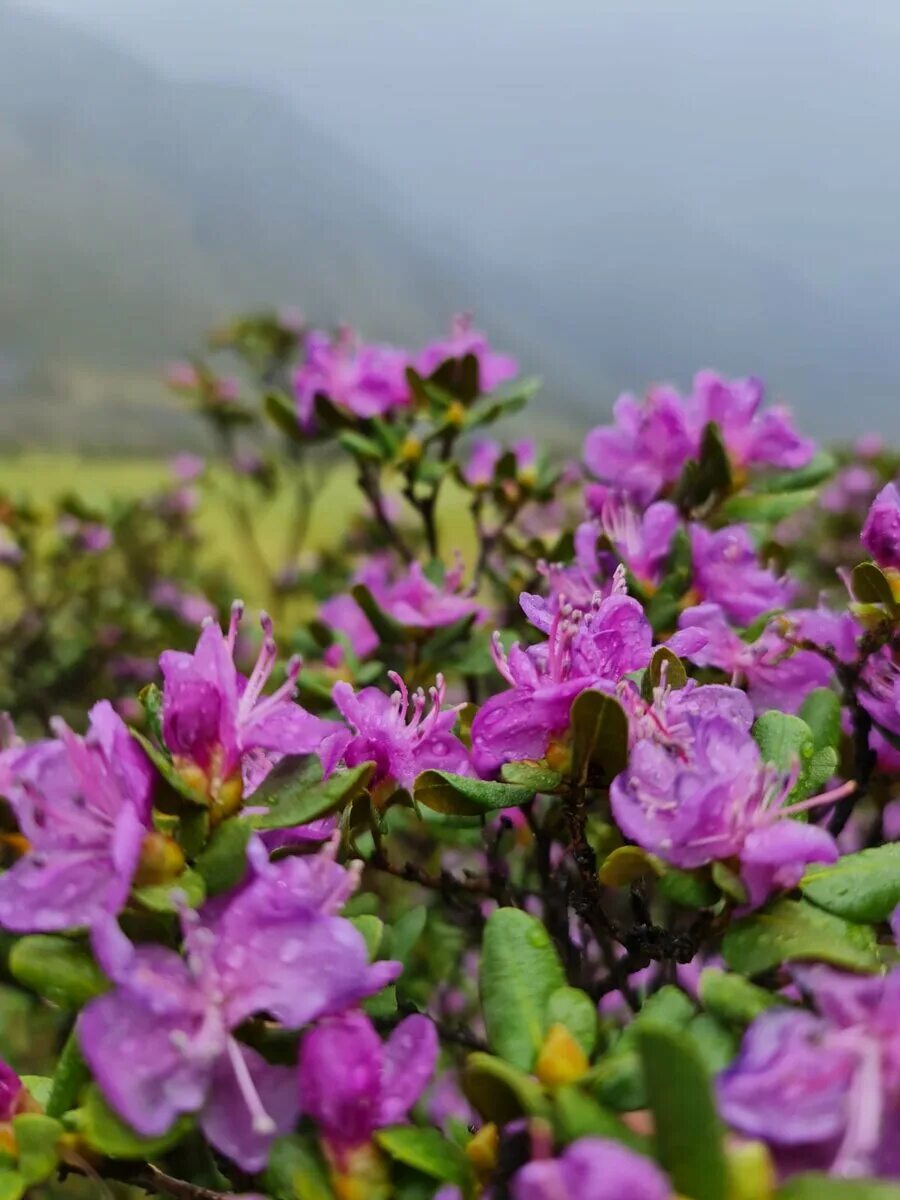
x=552, y=132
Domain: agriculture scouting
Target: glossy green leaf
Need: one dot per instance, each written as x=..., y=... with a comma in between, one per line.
x=459, y=795
x=784, y=740
x=223, y=862
x=372, y=930
x=599, y=738
x=520, y=970
x=870, y=586
x=826, y=1187
x=793, y=931
x=501, y=1092
x=732, y=998
x=12, y=1184
x=768, y=507
x=820, y=467
x=428, y=1151
x=576, y=1114
x=296, y=1170
x=531, y=775
x=821, y=710
x=298, y=801
x=706, y=478
x=36, y=1138
x=108, y=1134
x=167, y=770
x=187, y=888
x=61, y=970
x=863, y=887
x=665, y=659
x=688, y=1134
x=69, y=1078
x=575, y=1009
x=405, y=932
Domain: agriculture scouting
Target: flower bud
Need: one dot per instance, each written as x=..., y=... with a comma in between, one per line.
x=411, y=449
x=483, y=1150
x=561, y=1060
x=161, y=860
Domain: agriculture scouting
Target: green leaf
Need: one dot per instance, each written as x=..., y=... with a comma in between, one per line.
x=39, y=1087
x=296, y=1170
x=870, y=586
x=785, y=740
x=188, y=887
x=716, y=1042
x=708, y=478
x=821, y=467
x=167, y=769
x=36, y=1138
x=12, y=1184
x=793, y=931
x=61, y=970
x=282, y=412
x=599, y=738
x=297, y=802
x=826, y=1187
x=360, y=446
x=625, y=864
x=862, y=887
x=531, y=775
x=69, y=1078
x=732, y=998
x=520, y=970
x=676, y=675
x=821, y=710
x=108, y=1134
x=576, y=1114
x=151, y=699
x=499, y=1091
x=224, y=860
x=769, y=507
x=688, y=1134
x=405, y=933
x=575, y=1009
x=390, y=631
x=690, y=889
x=372, y=930
x=428, y=1151
x=669, y=1007
x=444, y=792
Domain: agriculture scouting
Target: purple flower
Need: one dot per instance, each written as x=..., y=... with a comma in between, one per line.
x=727, y=572
x=850, y=488
x=592, y=649
x=161, y=1043
x=881, y=532
x=191, y=608
x=526, y=456
x=352, y=1084
x=401, y=743
x=415, y=601
x=483, y=458
x=824, y=1090
x=642, y=541
x=11, y=1092
x=83, y=804
x=696, y=791
x=220, y=727
x=493, y=368
x=751, y=437
x=776, y=674
x=646, y=447
x=187, y=467
x=365, y=380
x=591, y=1169
x=344, y=616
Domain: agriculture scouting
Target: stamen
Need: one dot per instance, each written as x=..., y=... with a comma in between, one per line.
x=237, y=612
x=262, y=1122
x=838, y=793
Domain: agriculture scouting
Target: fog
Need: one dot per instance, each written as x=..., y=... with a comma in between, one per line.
x=670, y=185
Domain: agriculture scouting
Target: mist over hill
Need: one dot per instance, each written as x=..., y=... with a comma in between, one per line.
x=716, y=207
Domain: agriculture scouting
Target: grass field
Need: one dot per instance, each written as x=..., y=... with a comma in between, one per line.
x=42, y=477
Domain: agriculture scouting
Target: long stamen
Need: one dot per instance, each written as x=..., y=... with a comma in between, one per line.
x=237, y=612
x=262, y=1122
x=262, y=669
x=402, y=693
x=838, y=793
x=501, y=661
x=285, y=691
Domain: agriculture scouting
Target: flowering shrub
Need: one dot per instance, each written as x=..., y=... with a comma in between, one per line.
x=564, y=872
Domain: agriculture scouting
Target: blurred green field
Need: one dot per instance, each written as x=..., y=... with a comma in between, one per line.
x=40, y=476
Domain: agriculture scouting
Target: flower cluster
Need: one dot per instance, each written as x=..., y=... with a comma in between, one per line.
x=559, y=864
